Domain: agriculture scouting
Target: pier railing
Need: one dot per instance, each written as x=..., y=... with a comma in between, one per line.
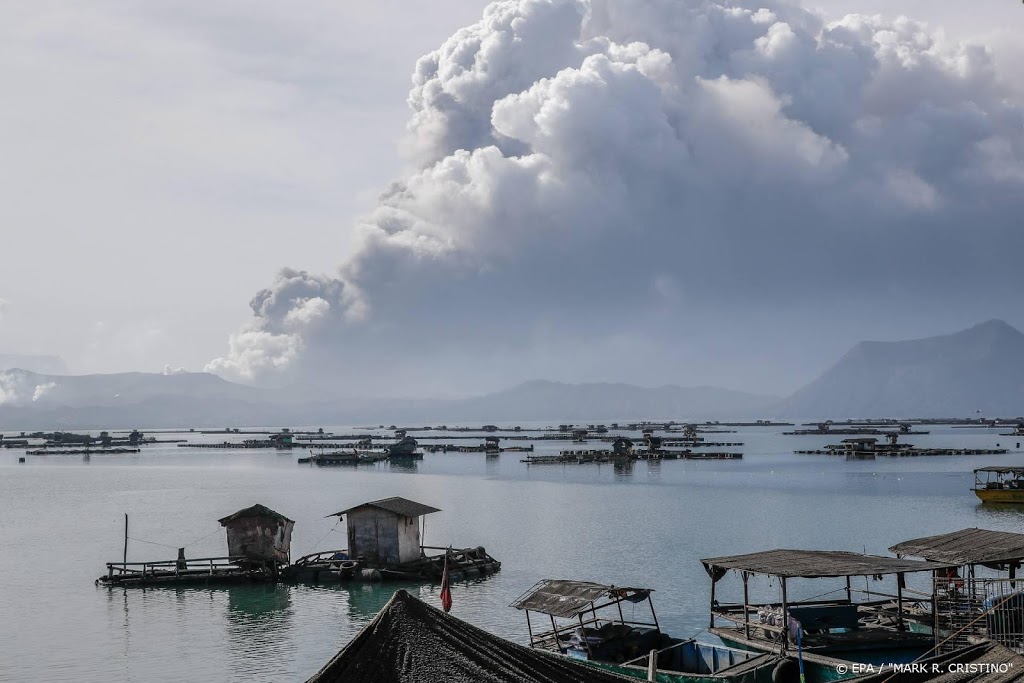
x=192, y=566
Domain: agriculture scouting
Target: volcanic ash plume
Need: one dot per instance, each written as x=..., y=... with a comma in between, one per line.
x=602, y=171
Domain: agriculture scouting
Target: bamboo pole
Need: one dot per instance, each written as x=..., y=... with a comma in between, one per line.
x=785, y=616
x=124, y=559
x=746, y=606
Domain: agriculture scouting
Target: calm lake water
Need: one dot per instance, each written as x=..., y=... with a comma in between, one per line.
x=61, y=518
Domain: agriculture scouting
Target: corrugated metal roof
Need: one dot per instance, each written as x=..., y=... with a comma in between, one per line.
x=400, y=506
x=967, y=546
x=256, y=510
x=1003, y=470
x=563, y=598
x=816, y=563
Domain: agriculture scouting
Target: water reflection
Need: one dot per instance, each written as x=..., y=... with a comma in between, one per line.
x=260, y=635
x=396, y=464
x=365, y=600
x=1001, y=511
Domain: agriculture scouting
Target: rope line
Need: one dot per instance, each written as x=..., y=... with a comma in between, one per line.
x=324, y=536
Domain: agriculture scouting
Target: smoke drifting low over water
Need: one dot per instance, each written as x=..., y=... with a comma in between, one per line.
x=62, y=518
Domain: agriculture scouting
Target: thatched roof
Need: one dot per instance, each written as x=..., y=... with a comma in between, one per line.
x=984, y=663
x=256, y=510
x=563, y=598
x=400, y=506
x=411, y=642
x=814, y=564
x=967, y=546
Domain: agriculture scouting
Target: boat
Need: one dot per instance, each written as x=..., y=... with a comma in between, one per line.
x=352, y=457
x=979, y=663
x=967, y=604
x=999, y=484
x=410, y=641
x=874, y=631
x=588, y=623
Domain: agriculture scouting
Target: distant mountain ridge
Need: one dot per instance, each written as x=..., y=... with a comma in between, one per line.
x=34, y=401
x=544, y=400
x=980, y=369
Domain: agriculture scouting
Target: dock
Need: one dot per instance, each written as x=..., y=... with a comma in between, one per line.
x=580, y=457
x=904, y=452
x=82, y=451
x=384, y=545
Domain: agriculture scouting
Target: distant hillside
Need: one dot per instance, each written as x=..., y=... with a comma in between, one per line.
x=543, y=400
x=35, y=401
x=978, y=369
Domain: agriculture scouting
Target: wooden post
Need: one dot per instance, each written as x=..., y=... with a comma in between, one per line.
x=849, y=591
x=529, y=628
x=785, y=616
x=713, y=582
x=746, y=608
x=651, y=605
x=899, y=601
x=652, y=666
x=124, y=559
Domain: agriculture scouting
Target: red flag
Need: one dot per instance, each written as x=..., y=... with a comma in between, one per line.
x=446, y=588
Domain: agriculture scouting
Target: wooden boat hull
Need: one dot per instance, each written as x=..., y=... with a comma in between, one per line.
x=1000, y=496
x=906, y=648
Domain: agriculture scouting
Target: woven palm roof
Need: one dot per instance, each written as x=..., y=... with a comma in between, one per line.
x=815, y=564
x=967, y=546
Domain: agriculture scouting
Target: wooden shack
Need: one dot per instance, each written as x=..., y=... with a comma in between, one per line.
x=259, y=534
x=386, y=532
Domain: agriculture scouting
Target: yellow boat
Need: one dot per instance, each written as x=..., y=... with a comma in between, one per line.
x=999, y=484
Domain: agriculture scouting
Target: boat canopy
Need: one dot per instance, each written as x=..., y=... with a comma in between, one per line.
x=814, y=564
x=1001, y=470
x=410, y=641
x=568, y=599
x=965, y=547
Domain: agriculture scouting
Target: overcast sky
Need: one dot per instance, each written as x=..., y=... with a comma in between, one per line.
x=637, y=190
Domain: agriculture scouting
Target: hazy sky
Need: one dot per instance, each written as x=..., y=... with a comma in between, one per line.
x=629, y=190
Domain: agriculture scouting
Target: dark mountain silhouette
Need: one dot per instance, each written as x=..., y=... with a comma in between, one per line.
x=977, y=370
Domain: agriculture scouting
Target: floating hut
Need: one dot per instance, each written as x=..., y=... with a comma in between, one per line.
x=258, y=535
x=385, y=543
x=387, y=531
x=259, y=542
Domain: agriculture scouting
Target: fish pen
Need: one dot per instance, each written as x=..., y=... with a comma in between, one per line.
x=203, y=571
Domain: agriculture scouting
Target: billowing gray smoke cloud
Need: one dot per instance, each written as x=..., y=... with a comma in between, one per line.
x=596, y=178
